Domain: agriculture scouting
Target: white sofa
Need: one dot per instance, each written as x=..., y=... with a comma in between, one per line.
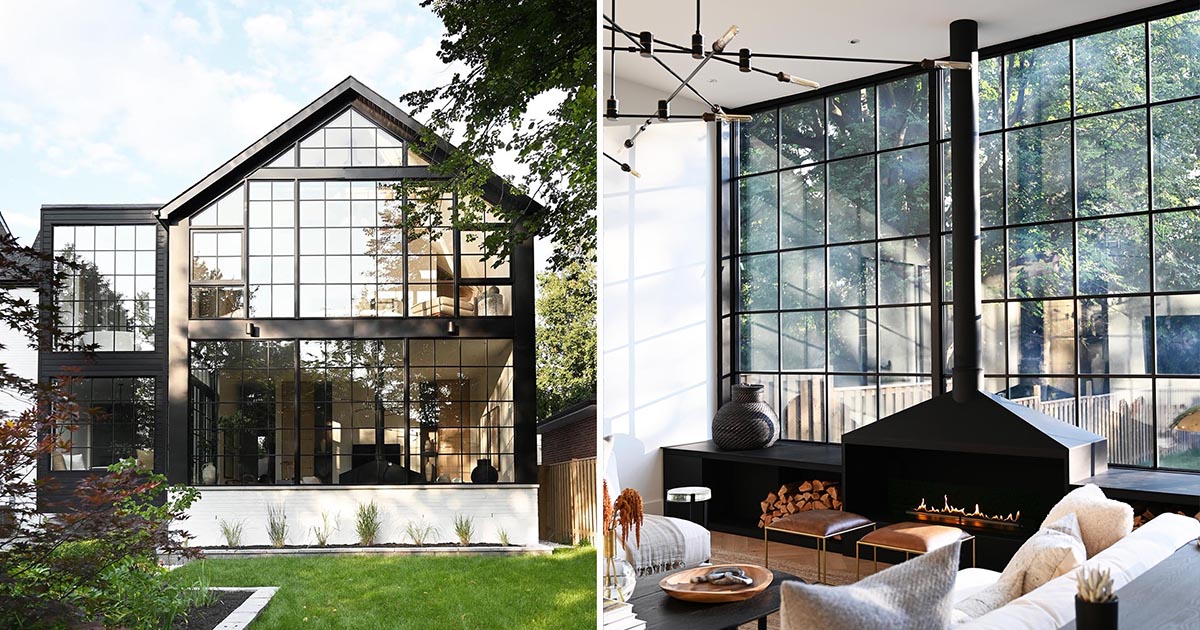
x=1053, y=604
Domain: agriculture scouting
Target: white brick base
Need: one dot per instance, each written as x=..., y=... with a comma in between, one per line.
x=512, y=507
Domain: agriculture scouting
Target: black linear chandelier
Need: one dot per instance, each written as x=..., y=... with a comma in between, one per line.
x=643, y=44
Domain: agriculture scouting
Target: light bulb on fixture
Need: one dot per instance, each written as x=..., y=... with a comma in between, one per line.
x=664, y=109
x=720, y=44
x=943, y=64
x=629, y=169
x=787, y=78
x=724, y=117
x=697, y=46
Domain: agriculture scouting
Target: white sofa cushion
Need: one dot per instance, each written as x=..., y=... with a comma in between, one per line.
x=1051, y=552
x=1102, y=521
x=910, y=595
x=971, y=581
x=1053, y=605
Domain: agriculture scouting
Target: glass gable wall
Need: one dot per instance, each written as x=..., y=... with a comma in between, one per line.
x=337, y=248
x=1090, y=201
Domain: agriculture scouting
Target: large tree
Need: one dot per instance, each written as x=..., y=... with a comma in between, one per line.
x=566, y=352
x=515, y=52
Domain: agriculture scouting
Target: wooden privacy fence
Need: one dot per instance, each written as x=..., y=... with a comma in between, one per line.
x=567, y=501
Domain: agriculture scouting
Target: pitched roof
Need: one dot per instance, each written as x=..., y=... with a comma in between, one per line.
x=497, y=191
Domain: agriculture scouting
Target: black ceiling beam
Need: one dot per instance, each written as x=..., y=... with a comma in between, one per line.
x=898, y=62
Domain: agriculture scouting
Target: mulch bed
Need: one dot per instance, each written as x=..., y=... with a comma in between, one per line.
x=380, y=545
x=211, y=616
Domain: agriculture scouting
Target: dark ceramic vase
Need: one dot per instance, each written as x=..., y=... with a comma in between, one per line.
x=484, y=472
x=1095, y=616
x=745, y=422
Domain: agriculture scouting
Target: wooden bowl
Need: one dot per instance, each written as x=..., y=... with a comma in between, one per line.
x=679, y=585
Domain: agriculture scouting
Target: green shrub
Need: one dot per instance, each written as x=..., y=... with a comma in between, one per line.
x=503, y=536
x=368, y=523
x=464, y=528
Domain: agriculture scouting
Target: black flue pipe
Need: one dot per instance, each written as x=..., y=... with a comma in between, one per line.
x=964, y=171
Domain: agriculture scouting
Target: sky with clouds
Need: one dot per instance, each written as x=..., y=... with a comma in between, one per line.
x=123, y=101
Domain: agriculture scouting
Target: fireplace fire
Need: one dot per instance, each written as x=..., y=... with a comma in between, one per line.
x=951, y=515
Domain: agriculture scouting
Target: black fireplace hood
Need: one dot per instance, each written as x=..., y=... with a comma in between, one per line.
x=986, y=424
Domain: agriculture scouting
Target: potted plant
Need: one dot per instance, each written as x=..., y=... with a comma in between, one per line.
x=1096, y=602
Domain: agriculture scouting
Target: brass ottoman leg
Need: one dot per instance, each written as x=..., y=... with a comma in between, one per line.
x=766, y=549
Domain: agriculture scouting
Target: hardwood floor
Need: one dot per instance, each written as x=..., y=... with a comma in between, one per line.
x=782, y=555
x=785, y=553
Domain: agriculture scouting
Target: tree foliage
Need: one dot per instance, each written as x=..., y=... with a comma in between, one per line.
x=514, y=53
x=94, y=561
x=566, y=337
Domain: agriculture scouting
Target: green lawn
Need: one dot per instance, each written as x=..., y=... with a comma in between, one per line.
x=421, y=592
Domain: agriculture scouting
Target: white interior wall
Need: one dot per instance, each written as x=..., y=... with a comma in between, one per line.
x=658, y=288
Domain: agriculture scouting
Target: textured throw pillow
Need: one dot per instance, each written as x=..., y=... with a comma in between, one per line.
x=911, y=595
x=1056, y=549
x=1052, y=551
x=1102, y=521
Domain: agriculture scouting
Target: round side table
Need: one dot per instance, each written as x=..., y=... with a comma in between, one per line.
x=691, y=495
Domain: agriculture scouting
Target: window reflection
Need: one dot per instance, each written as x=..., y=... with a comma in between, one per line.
x=365, y=414
x=108, y=295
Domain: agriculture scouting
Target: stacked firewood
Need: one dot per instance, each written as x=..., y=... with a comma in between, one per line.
x=1141, y=518
x=798, y=497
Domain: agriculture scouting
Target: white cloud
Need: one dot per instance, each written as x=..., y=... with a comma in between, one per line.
x=187, y=26
x=9, y=140
x=267, y=29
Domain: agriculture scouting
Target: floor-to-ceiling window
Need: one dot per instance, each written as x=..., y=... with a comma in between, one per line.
x=833, y=268
x=316, y=411
x=1090, y=202
x=1090, y=182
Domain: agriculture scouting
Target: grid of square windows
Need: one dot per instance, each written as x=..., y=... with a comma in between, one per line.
x=271, y=248
x=352, y=412
x=116, y=421
x=107, y=300
x=1090, y=202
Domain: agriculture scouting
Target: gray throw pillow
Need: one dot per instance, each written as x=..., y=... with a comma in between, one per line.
x=909, y=596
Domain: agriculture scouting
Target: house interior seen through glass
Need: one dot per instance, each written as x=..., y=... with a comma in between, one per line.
x=338, y=249
x=1090, y=204
x=116, y=422
x=344, y=412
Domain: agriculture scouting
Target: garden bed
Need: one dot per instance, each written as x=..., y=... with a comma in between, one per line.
x=379, y=549
x=210, y=616
x=232, y=608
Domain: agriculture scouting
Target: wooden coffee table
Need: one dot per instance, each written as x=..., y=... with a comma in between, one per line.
x=660, y=610
x=1163, y=597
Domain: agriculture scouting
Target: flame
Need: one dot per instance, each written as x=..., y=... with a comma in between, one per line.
x=950, y=510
